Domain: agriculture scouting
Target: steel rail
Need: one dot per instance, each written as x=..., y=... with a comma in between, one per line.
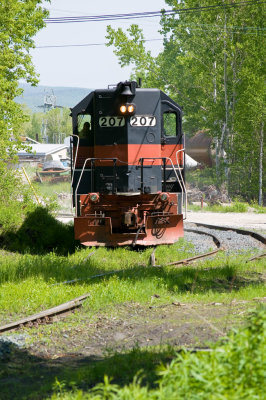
x=46, y=315
x=215, y=239
x=190, y=259
x=256, y=257
x=255, y=235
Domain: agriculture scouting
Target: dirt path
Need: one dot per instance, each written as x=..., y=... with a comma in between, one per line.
x=134, y=325
x=237, y=220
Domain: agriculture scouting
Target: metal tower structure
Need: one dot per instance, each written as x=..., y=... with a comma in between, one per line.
x=49, y=102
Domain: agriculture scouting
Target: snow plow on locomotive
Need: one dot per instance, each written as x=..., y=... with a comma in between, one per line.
x=127, y=167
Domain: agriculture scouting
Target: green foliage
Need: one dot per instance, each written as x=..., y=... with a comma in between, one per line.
x=58, y=124
x=211, y=65
x=202, y=177
x=47, y=189
x=30, y=283
x=40, y=233
x=234, y=368
x=20, y=20
x=15, y=200
x=236, y=207
x=258, y=209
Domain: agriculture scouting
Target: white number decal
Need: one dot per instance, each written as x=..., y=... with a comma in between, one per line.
x=110, y=122
x=143, y=120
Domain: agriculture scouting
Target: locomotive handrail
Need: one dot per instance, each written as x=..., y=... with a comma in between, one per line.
x=75, y=159
x=172, y=105
x=184, y=186
x=163, y=159
x=84, y=164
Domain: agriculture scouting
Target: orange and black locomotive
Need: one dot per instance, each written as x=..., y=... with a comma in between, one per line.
x=127, y=167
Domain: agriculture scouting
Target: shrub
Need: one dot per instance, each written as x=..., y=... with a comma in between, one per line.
x=40, y=233
x=234, y=369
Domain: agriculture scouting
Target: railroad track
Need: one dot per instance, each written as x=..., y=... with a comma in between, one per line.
x=47, y=316
x=255, y=235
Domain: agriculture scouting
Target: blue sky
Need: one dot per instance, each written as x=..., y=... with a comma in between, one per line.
x=89, y=67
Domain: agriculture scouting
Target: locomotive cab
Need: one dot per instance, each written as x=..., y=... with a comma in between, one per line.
x=127, y=167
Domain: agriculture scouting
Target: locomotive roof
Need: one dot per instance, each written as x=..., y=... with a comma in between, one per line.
x=83, y=104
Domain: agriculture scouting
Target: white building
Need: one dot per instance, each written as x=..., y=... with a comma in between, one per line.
x=40, y=152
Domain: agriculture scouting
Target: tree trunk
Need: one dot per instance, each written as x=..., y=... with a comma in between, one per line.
x=261, y=165
x=225, y=127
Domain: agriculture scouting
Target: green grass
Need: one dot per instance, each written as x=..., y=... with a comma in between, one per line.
x=48, y=192
x=48, y=189
x=30, y=283
x=258, y=209
x=236, y=207
x=33, y=282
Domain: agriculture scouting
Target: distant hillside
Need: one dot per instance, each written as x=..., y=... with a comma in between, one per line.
x=65, y=96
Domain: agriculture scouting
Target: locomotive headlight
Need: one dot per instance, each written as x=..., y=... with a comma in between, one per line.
x=164, y=196
x=94, y=197
x=127, y=109
x=131, y=108
x=123, y=109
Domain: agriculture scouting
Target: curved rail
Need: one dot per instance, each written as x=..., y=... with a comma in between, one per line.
x=255, y=235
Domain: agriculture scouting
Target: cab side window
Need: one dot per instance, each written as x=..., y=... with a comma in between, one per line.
x=84, y=125
x=170, y=123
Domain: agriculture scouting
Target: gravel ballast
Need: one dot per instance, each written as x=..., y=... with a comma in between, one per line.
x=231, y=241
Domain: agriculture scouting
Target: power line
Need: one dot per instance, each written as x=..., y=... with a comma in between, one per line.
x=142, y=40
x=222, y=26
x=148, y=14
x=88, y=44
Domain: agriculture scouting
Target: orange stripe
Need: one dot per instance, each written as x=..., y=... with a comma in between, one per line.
x=130, y=154
x=169, y=150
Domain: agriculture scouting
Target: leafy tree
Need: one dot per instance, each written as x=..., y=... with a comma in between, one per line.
x=20, y=20
x=25, y=127
x=59, y=124
x=35, y=128
x=211, y=65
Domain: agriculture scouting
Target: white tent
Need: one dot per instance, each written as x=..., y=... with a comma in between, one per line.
x=190, y=162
